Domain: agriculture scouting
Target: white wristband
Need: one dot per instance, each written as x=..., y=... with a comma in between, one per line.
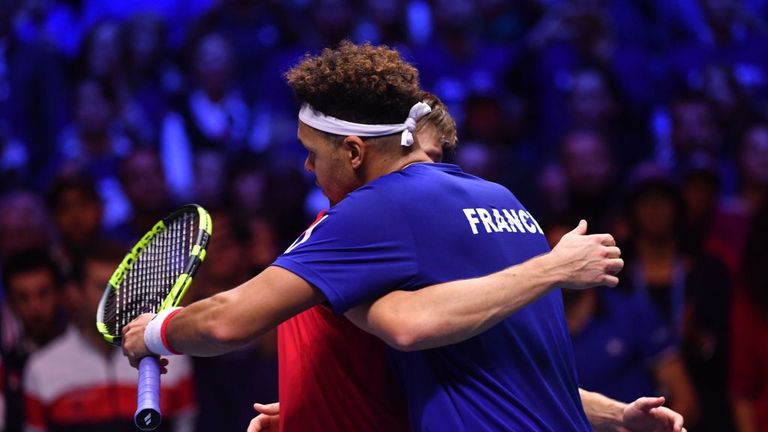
x=154, y=333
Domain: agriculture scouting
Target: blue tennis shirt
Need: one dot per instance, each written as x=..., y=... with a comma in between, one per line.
x=432, y=223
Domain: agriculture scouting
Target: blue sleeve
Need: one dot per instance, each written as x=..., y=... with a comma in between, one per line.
x=362, y=249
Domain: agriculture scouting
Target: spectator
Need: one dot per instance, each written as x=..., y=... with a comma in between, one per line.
x=229, y=402
x=94, y=142
x=213, y=116
x=77, y=211
x=690, y=289
x=24, y=223
x=80, y=382
x=33, y=286
x=590, y=176
x=143, y=180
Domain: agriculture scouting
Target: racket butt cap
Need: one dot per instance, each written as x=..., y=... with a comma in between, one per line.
x=147, y=419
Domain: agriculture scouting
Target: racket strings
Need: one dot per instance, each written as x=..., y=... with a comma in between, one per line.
x=149, y=280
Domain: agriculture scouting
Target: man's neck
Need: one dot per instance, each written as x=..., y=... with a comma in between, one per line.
x=387, y=164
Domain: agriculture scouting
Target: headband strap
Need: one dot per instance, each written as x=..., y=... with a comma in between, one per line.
x=332, y=125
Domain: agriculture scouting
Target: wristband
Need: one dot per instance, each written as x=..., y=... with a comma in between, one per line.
x=154, y=333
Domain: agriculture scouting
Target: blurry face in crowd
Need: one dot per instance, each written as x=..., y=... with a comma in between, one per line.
x=754, y=156
x=226, y=253
x=214, y=65
x=694, y=128
x=591, y=103
x=478, y=159
x=328, y=161
x=34, y=299
x=333, y=19
x=144, y=41
x=104, y=55
x=77, y=216
x=143, y=181
x=654, y=216
x=93, y=111
x=23, y=224
x=210, y=168
x=587, y=163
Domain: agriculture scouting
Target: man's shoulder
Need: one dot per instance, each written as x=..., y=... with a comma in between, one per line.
x=55, y=352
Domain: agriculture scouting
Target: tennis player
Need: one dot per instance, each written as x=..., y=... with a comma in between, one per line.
x=320, y=350
x=409, y=224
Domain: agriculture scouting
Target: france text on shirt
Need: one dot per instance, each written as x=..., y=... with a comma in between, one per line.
x=504, y=220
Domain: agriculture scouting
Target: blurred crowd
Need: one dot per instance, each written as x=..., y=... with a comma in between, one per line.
x=647, y=118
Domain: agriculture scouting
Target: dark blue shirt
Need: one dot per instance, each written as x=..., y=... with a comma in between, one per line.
x=618, y=349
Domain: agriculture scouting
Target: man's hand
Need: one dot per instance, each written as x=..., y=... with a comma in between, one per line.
x=133, y=339
x=268, y=419
x=585, y=261
x=648, y=414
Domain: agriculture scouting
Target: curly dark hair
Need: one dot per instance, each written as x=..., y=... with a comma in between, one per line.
x=357, y=83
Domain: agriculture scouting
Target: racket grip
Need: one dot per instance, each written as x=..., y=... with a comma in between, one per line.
x=148, y=415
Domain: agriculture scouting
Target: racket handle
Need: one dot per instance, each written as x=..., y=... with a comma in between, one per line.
x=148, y=415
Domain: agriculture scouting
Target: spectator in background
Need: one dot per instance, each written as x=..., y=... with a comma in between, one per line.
x=228, y=402
x=95, y=143
x=696, y=128
x=213, y=116
x=690, y=289
x=246, y=187
x=33, y=285
x=736, y=213
x=76, y=210
x=211, y=175
x=622, y=347
x=24, y=223
x=143, y=180
x=749, y=332
x=590, y=178
x=152, y=81
x=79, y=382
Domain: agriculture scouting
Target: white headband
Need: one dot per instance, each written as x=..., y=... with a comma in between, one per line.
x=335, y=126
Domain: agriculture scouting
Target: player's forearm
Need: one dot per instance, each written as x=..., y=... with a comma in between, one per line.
x=604, y=414
x=455, y=311
x=230, y=319
x=201, y=328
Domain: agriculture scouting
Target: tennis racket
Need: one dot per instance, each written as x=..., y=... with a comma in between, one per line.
x=152, y=277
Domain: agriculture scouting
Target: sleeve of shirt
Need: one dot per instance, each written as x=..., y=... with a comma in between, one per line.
x=362, y=249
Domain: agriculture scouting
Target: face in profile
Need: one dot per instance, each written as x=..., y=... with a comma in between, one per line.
x=335, y=176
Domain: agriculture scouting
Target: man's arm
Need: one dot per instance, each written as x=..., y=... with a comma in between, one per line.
x=451, y=312
x=228, y=320
x=645, y=414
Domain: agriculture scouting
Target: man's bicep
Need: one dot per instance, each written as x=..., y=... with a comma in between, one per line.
x=270, y=298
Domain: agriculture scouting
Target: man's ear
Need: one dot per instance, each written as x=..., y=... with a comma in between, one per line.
x=355, y=149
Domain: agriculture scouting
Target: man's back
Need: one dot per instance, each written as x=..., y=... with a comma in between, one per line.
x=432, y=223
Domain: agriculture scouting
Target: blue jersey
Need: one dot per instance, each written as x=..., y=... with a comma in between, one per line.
x=432, y=223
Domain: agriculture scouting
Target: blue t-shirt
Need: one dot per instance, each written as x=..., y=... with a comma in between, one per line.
x=618, y=349
x=432, y=223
